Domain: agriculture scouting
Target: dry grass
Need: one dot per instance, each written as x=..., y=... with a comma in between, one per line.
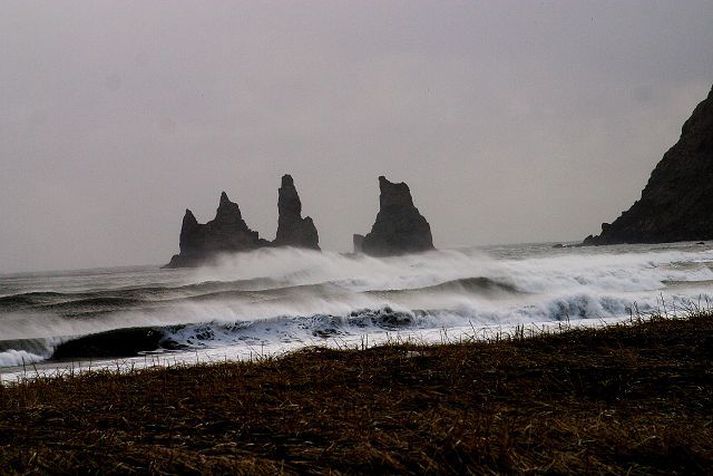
x=626, y=399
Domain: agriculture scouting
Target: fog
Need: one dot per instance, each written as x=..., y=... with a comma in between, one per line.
x=510, y=121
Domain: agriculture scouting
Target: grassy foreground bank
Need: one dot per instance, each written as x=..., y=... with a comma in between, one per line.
x=635, y=399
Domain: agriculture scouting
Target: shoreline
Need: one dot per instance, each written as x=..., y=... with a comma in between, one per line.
x=621, y=398
x=166, y=358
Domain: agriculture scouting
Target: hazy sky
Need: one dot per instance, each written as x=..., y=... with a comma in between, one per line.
x=511, y=121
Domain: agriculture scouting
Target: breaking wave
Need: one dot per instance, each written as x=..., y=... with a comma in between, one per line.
x=285, y=297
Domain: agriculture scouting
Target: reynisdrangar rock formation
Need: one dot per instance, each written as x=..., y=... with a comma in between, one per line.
x=677, y=202
x=292, y=229
x=228, y=232
x=399, y=227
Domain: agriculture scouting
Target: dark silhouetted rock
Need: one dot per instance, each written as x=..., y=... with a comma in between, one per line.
x=226, y=233
x=677, y=202
x=292, y=229
x=399, y=227
x=358, y=241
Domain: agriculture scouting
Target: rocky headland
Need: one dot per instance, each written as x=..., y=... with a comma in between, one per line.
x=228, y=233
x=399, y=227
x=677, y=202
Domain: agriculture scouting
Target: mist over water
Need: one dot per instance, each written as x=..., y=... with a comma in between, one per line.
x=282, y=299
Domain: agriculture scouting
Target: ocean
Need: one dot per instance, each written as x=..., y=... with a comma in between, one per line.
x=271, y=301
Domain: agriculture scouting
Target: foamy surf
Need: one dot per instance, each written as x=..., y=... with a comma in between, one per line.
x=282, y=299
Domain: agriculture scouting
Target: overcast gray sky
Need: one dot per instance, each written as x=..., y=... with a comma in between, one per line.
x=511, y=121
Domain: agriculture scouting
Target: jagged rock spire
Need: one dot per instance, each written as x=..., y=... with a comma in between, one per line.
x=188, y=229
x=228, y=214
x=189, y=219
x=399, y=227
x=226, y=233
x=292, y=229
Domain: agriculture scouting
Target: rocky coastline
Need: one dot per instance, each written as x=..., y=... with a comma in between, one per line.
x=677, y=201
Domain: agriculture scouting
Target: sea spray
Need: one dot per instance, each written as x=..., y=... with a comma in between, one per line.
x=284, y=298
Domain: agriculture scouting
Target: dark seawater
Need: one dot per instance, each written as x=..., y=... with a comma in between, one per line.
x=273, y=300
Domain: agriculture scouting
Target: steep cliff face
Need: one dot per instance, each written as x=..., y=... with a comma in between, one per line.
x=226, y=233
x=677, y=202
x=292, y=229
x=399, y=227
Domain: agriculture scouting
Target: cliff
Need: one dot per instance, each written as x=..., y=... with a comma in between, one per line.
x=399, y=227
x=677, y=201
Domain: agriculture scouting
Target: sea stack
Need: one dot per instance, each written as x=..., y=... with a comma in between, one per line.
x=226, y=233
x=399, y=227
x=292, y=229
x=677, y=202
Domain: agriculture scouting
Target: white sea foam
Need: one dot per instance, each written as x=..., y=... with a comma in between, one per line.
x=14, y=358
x=282, y=298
